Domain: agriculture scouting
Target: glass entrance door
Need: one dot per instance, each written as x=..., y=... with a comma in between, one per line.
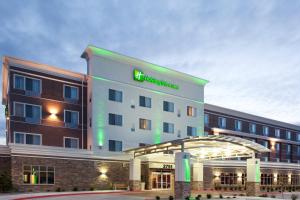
x=161, y=180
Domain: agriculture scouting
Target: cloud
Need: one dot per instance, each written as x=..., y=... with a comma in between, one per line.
x=247, y=49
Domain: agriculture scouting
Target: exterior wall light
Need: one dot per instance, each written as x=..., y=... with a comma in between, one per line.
x=275, y=177
x=239, y=176
x=103, y=171
x=53, y=113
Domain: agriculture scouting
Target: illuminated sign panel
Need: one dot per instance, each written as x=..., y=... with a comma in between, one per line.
x=141, y=77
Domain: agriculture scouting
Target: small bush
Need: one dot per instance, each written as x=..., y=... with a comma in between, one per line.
x=263, y=195
x=58, y=189
x=5, y=182
x=221, y=196
x=75, y=189
x=273, y=196
x=187, y=198
x=171, y=197
x=157, y=197
x=208, y=196
x=92, y=189
x=198, y=197
x=294, y=196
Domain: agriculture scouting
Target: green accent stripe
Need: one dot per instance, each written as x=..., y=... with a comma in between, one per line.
x=187, y=170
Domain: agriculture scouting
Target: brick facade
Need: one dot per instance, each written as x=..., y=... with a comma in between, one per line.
x=72, y=173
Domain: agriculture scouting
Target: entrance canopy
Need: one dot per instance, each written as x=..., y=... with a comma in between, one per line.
x=204, y=147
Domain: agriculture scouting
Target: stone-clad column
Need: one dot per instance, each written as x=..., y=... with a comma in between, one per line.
x=197, y=183
x=135, y=174
x=253, y=177
x=182, y=175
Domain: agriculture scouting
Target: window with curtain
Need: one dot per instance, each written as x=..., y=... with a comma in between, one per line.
x=145, y=102
x=19, y=109
x=33, y=113
x=19, y=82
x=27, y=138
x=72, y=143
x=168, y=106
x=145, y=124
x=168, y=127
x=32, y=85
x=71, y=93
x=191, y=131
x=114, y=145
x=115, y=95
x=114, y=119
x=71, y=118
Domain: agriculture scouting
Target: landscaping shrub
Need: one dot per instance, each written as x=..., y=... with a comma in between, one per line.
x=171, y=197
x=221, y=196
x=5, y=182
x=58, y=189
x=198, y=197
x=208, y=196
x=294, y=196
x=75, y=189
x=157, y=197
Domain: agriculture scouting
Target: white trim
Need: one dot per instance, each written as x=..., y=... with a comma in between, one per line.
x=27, y=133
x=44, y=77
x=24, y=82
x=71, y=111
x=74, y=138
x=77, y=98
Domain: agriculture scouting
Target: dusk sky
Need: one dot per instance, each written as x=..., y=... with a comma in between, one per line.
x=248, y=50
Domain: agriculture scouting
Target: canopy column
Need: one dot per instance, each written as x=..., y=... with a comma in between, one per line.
x=253, y=177
x=197, y=183
x=182, y=175
x=135, y=174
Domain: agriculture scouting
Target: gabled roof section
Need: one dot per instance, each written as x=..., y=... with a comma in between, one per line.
x=92, y=50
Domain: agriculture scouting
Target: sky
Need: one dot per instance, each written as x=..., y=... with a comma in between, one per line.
x=247, y=49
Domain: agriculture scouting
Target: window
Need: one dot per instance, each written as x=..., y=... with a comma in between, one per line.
x=70, y=93
x=222, y=122
x=266, y=179
x=282, y=179
x=114, y=145
x=145, y=102
x=115, y=95
x=32, y=113
x=71, y=118
x=298, y=136
x=252, y=128
x=168, y=127
x=168, y=106
x=288, y=149
x=27, y=138
x=277, y=147
x=266, y=144
x=277, y=133
x=298, y=150
x=145, y=124
x=238, y=125
x=228, y=178
x=114, y=119
x=288, y=135
x=265, y=131
x=71, y=142
x=206, y=119
x=191, y=131
x=31, y=85
x=191, y=111
x=295, y=179
x=38, y=175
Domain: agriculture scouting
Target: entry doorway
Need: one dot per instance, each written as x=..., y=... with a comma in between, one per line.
x=161, y=180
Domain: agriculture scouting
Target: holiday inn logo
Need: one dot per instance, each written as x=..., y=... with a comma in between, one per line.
x=139, y=76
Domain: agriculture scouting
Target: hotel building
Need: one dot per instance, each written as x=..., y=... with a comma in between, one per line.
x=67, y=130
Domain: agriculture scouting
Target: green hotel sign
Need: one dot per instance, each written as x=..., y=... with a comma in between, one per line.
x=141, y=77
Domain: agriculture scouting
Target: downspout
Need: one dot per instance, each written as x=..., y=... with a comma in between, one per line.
x=82, y=121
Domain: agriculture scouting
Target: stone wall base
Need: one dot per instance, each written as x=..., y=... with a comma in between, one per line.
x=182, y=189
x=252, y=188
x=197, y=185
x=135, y=185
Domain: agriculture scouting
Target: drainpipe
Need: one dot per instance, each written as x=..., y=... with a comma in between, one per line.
x=82, y=114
